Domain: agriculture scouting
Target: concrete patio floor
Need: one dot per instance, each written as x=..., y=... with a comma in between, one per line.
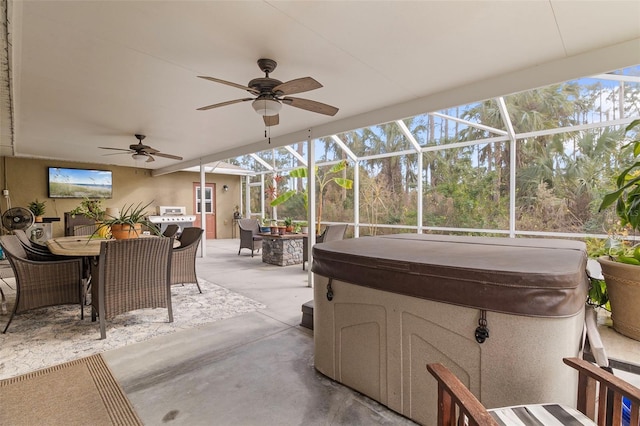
x=253, y=369
x=257, y=368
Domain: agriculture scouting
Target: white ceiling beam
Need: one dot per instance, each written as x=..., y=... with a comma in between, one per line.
x=618, y=77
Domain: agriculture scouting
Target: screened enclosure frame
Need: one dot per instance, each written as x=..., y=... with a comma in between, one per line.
x=274, y=164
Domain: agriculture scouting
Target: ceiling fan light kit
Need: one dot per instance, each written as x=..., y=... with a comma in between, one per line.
x=272, y=93
x=266, y=107
x=138, y=157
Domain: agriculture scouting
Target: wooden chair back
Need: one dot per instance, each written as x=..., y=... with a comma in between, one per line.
x=597, y=388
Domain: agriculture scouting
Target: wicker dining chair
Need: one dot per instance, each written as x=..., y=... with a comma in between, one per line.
x=183, y=258
x=330, y=233
x=131, y=274
x=42, y=283
x=171, y=230
x=249, y=238
x=34, y=252
x=85, y=229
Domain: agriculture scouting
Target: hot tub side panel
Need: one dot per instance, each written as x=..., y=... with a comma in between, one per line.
x=379, y=343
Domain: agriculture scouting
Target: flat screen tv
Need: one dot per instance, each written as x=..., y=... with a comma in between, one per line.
x=79, y=183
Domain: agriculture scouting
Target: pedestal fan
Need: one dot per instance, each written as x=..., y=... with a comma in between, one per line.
x=17, y=218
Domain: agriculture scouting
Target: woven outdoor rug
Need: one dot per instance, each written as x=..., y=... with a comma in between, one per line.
x=78, y=392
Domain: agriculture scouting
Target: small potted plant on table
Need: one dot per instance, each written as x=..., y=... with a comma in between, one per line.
x=304, y=226
x=128, y=222
x=288, y=223
x=264, y=225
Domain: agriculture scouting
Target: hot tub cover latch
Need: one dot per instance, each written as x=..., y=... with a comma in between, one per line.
x=329, y=291
x=482, y=331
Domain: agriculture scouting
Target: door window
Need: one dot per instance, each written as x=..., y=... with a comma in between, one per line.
x=208, y=200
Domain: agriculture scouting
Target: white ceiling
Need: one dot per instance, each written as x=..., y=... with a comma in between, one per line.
x=94, y=73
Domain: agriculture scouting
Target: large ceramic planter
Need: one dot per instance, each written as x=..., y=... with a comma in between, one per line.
x=623, y=288
x=123, y=232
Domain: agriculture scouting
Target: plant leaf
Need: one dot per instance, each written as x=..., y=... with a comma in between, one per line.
x=282, y=198
x=345, y=183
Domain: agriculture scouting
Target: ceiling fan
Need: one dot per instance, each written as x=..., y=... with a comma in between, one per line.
x=140, y=151
x=271, y=94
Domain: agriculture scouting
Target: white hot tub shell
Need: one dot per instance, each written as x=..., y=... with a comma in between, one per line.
x=385, y=307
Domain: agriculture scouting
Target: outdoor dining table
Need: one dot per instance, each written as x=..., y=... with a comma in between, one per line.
x=87, y=247
x=83, y=245
x=79, y=245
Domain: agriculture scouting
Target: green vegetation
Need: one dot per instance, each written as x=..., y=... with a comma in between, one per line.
x=129, y=215
x=561, y=177
x=91, y=208
x=627, y=193
x=70, y=190
x=37, y=207
x=323, y=178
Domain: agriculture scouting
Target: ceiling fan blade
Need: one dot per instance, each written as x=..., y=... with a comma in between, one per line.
x=298, y=85
x=173, y=157
x=150, y=159
x=148, y=150
x=119, y=153
x=116, y=149
x=271, y=120
x=229, y=83
x=310, y=105
x=139, y=147
x=221, y=104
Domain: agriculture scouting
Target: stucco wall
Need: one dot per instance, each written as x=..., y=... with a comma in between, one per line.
x=26, y=180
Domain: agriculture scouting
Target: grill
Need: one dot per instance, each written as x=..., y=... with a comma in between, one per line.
x=172, y=214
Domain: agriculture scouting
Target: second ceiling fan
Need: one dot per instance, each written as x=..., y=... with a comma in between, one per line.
x=271, y=94
x=140, y=151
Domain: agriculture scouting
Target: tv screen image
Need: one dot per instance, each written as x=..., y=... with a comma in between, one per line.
x=79, y=183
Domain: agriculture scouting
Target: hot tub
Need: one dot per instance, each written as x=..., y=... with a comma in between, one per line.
x=500, y=313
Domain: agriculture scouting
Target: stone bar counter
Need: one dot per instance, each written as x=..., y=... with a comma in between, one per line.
x=282, y=250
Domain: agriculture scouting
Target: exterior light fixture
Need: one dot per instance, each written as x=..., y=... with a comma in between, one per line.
x=225, y=188
x=266, y=106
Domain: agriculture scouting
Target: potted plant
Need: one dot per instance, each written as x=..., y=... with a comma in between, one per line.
x=264, y=225
x=282, y=229
x=288, y=223
x=38, y=209
x=304, y=226
x=128, y=222
x=91, y=208
x=621, y=270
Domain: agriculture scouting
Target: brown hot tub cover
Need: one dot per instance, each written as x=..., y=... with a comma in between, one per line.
x=531, y=277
